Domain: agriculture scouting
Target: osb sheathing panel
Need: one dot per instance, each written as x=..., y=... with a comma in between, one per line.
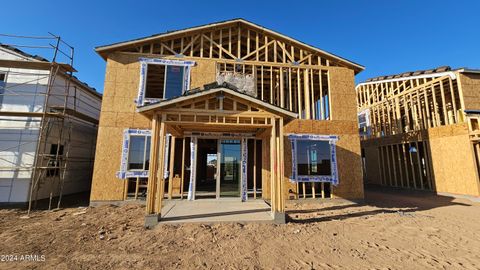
x=454, y=165
x=202, y=73
x=105, y=186
x=348, y=154
x=470, y=84
x=372, y=161
x=442, y=131
x=118, y=113
x=342, y=91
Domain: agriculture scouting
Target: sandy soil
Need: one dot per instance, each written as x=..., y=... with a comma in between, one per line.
x=393, y=230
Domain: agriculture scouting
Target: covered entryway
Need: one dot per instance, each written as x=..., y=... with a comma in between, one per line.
x=220, y=126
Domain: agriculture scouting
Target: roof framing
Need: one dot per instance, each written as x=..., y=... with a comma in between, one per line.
x=304, y=51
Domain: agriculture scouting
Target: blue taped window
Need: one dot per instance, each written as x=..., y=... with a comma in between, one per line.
x=174, y=83
x=139, y=153
x=164, y=81
x=313, y=157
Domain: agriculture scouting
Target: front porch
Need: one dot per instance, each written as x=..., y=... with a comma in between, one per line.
x=204, y=122
x=215, y=210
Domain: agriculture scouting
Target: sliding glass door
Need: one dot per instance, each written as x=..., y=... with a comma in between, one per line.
x=230, y=166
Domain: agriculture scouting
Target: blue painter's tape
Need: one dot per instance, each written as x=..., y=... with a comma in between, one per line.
x=244, y=169
x=124, y=173
x=333, y=177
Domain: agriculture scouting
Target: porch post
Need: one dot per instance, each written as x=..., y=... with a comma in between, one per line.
x=159, y=174
x=282, y=168
x=151, y=186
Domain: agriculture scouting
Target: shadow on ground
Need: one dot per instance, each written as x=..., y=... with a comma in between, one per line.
x=68, y=201
x=385, y=200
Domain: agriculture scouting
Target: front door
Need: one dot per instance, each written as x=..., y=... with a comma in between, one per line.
x=230, y=167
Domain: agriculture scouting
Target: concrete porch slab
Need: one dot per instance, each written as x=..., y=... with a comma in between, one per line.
x=215, y=211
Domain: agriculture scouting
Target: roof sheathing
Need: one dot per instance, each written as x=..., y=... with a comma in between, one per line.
x=103, y=50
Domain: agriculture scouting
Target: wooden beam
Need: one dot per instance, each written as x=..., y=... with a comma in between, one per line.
x=254, y=168
x=306, y=92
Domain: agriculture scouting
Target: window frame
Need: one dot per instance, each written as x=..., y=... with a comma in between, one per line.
x=364, y=127
x=145, y=143
x=144, y=62
x=3, y=83
x=295, y=177
x=124, y=172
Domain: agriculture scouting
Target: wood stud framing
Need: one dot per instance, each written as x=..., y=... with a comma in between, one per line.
x=303, y=90
x=409, y=104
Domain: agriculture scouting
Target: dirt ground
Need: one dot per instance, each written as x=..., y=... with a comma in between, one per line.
x=391, y=230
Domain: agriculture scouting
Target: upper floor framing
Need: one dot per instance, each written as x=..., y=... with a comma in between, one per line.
x=237, y=39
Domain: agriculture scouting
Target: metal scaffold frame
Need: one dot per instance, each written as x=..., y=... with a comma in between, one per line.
x=56, y=120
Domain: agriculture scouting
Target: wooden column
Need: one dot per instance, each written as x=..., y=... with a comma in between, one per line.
x=281, y=164
x=306, y=93
x=160, y=172
x=299, y=92
x=152, y=180
x=254, y=168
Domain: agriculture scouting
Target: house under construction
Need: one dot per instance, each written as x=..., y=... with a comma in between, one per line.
x=226, y=110
x=420, y=130
x=48, y=123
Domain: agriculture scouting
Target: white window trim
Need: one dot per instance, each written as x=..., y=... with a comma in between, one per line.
x=333, y=177
x=124, y=173
x=144, y=62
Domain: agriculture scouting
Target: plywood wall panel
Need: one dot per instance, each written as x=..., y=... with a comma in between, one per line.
x=348, y=153
x=470, y=84
x=105, y=186
x=454, y=165
x=342, y=91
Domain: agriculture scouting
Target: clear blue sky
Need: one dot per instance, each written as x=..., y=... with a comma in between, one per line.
x=385, y=36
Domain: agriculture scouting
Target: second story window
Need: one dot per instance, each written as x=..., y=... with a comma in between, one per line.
x=162, y=79
x=164, y=82
x=3, y=78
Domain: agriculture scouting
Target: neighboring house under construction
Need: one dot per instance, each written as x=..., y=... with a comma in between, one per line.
x=420, y=130
x=48, y=126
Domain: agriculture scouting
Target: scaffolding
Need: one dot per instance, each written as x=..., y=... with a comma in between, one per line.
x=55, y=116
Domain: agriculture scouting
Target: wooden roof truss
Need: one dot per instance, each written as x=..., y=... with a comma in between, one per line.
x=410, y=104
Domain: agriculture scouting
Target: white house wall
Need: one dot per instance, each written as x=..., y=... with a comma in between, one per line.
x=24, y=92
x=19, y=135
